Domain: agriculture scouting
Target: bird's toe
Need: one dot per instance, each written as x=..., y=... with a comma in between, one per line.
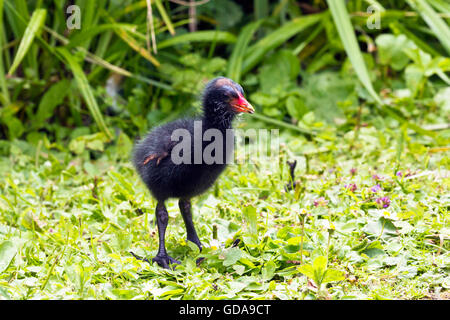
x=165, y=261
x=199, y=260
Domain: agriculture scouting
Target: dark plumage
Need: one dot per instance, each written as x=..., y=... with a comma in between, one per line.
x=166, y=178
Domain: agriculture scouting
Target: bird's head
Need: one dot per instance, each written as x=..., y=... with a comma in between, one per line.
x=223, y=95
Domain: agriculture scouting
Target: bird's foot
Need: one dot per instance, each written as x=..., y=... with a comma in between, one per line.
x=162, y=260
x=138, y=257
x=199, y=261
x=165, y=261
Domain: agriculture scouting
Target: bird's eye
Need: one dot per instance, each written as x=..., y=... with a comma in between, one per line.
x=240, y=89
x=234, y=95
x=230, y=93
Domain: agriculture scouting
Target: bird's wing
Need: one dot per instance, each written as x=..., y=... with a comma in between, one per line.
x=165, y=150
x=156, y=156
x=161, y=140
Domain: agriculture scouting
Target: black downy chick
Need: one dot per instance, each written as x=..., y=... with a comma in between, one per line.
x=222, y=100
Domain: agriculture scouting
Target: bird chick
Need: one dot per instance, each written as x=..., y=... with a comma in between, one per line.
x=172, y=167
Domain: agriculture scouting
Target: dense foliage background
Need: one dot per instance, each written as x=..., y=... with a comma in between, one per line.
x=359, y=89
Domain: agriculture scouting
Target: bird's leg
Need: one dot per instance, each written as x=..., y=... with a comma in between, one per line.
x=185, y=208
x=162, y=218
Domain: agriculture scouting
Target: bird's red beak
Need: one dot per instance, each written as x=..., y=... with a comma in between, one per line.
x=242, y=105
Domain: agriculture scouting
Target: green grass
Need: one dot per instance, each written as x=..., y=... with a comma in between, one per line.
x=352, y=104
x=67, y=223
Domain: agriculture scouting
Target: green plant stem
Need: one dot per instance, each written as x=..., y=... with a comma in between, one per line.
x=52, y=267
x=301, y=240
x=281, y=124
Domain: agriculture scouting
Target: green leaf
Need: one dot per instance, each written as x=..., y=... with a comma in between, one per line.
x=30, y=222
x=251, y=217
x=86, y=90
x=33, y=28
x=414, y=76
x=133, y=44
x=81, y=37
x=319, y=265
x=332, y=275
x=94, y=141
x=240, y=269
x=440, y=5
x=198, y=36
x=324, y=91
x=261, y=8
x=434, y=21
x=279, y=72
x=316, y=271
x=296, y=107
x=294, y=241
x=15, y=126
x=307, y=270
x=51, y=99
x=232, y=256
x=268, y=270
x=122, y=182
x=121, y=241
x=165, y=16
x=8, y=250
x=124, y=146
x=348, y=38
x=319, y=273
x=390, y=50
x=257, y=52
x=237, y=56
x=281, y=124
x=400, y=29
x=3, y=86
x=77, y=146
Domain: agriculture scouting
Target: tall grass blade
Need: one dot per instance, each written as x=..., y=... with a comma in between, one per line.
x=33, y=29
x=150, y=28
x=165, y=16
x=103, y=43
x=348, y=38
x=396, y=114
x=398, y=28
x=136, y=47
x=235, y=61
x=281, y=124
x=375, y=4
x=256, y=52
x=31, y=59
x=199, y=36
x=133, y=43
x=85, y=90
x=440, y=29
x=261, y=9
x=50, y=100
x=304, y=43
x=440, y=5
x=89, y=11
x=5, y=93
x=78, y=39
x=92, y=58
